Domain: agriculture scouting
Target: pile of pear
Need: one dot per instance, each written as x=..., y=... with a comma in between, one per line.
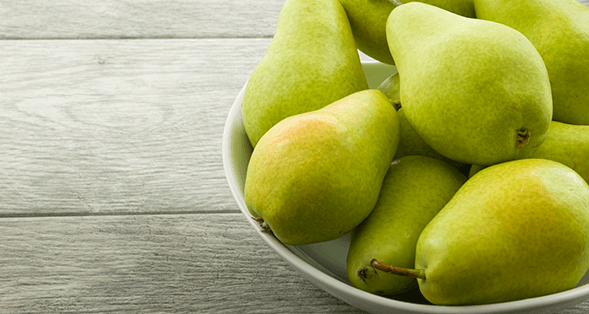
x=462, y=176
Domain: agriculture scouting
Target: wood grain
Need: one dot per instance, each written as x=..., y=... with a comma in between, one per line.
x=124, y=19
x=118, y=126
x=199, y=263
x=213, y=263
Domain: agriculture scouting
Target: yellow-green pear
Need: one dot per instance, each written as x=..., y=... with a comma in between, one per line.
x=315, y=176
x=414, y=190
x=565, y=143
x=560, y=32
x=410, y=143
x=368, y=19
x=558, y=29
x=476, y=91
x=514, y=230
x=311, y=62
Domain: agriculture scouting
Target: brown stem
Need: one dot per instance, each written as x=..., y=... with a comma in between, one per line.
x=407, y=272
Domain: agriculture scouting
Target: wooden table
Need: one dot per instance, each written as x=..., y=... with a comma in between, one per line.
x=113, y=196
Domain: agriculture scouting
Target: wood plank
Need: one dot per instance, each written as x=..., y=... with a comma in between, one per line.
x=118, y=126
x=210, y=263
x=73, y=19
x=213, y=263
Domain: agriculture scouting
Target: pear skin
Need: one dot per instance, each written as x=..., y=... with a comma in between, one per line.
x=414, y=190
x=315, y=176
x=475, y=91
x=410, y=142
x=565, y=143
x=560, y=32
x=311, y=62
x=368, y=20
x=464, y=8
x=514, y=230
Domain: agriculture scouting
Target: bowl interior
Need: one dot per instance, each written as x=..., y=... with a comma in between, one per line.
x=325, y=263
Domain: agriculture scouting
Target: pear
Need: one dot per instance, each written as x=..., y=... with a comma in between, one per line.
x=315, y=176
x=515, y=230
x=368, y=19
x=565, y=143
x=311, y=62
x=410, y=143
x=558, y=29
x=414, y=190
x=476, y=91
x=560, y=32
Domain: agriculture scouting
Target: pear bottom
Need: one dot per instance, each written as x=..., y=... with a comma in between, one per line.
x=515, y=230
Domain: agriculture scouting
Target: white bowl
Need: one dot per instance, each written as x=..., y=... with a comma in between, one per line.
x=324, y=264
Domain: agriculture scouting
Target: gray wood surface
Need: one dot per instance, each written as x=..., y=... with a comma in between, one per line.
x=212, y=263
x=99, y=19
x=113, y=196
x=118, y=126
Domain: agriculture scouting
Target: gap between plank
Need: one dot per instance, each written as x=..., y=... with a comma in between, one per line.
x=135, y=38
x=79, y=214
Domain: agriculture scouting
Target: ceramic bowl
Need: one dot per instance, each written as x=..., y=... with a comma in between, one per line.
x=324, y=264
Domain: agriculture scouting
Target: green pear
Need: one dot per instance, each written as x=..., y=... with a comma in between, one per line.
x=315, y=176
x=410, y=143
x=368, y=19
x=560, y=32
x=464, y=8
x=558, y=29
x=515, y=230
x=311, y=62
x=565, y=143
x=414, y=190
x=476, y=91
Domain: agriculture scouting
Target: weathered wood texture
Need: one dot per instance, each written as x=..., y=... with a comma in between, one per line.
x=209, y=263
x=74, y=19
x=118, y=126
x=213, y=263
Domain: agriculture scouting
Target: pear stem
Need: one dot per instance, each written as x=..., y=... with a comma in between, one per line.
x=407, y=272
x=396, y=3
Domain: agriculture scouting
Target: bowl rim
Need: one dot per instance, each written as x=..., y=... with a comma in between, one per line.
x=342, y=288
